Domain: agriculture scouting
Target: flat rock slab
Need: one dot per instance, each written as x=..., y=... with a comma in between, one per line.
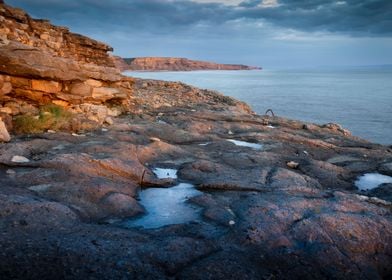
x=255, y=215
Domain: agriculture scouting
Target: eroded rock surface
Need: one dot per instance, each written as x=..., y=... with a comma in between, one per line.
x=44, y=64
x=259, y=217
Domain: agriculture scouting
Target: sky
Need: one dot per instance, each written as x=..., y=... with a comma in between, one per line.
x=269, y=33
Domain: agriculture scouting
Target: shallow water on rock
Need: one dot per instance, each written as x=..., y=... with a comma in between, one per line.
x=371, y=181
x=166, y=206
x=204, y=144
x=246, y=144
x=165, y=173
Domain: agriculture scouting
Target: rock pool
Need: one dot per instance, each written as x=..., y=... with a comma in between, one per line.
x=371, y=181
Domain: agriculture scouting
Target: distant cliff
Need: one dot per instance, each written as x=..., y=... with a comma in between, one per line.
x=177, y=64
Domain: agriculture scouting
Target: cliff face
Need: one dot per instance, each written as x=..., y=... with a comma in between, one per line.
x=42, y=64
x=178, y=64
x=17, y=26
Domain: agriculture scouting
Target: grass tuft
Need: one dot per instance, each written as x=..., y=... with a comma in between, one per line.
x=50, y=116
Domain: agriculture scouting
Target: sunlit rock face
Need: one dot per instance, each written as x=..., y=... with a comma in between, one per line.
x=175, y=64
x=18, y=26
x=46, y=64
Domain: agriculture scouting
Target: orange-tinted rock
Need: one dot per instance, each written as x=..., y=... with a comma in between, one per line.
x=18, y=26
x=175, y=64
x=79, y=88
x=41, y=63
x=46, y=86
x=104, y=93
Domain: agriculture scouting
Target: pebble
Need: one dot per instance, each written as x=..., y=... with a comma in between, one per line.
x=20, y=159
x=78, y=135
x=292, y=164
x=155, y=139
x=109, y=121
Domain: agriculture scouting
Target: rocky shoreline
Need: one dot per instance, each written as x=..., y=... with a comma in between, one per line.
x=277, y=197
x=174, y=64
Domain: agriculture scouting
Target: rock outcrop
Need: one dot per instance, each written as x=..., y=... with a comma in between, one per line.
x=176, y=64
x=44, y=64
x=4, y=134
x=17, y=26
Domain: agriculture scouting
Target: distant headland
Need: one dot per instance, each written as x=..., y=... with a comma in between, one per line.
x=175, y=64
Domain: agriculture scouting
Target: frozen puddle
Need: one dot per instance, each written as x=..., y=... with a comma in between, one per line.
x=164, y=173
x=371, y=181
x=166, y=206
x=246, y=144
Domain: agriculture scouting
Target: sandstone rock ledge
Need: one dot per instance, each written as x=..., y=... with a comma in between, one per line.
x=286, y=211
x=41, y=64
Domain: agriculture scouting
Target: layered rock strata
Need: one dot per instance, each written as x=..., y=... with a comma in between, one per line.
x=43, y=64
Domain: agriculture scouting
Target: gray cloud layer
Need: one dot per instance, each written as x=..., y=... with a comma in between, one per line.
x=353, y=17
x=293, y=33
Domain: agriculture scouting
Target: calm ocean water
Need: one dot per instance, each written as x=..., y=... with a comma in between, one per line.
x=360, y=100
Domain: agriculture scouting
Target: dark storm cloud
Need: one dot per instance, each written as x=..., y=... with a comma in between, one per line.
x=360, y=18
x=353, y=17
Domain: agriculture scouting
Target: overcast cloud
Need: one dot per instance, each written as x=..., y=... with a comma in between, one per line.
x=271, y=33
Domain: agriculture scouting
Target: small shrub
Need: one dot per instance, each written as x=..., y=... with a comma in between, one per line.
x=50, y=117
x=27, y=124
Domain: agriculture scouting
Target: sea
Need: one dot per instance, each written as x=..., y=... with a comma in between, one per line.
x=359, y=99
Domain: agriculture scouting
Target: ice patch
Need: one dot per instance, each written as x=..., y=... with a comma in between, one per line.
x=270, y=126
x=371, y=181
x=246, y=144
x=166, y=206
x=164, y=173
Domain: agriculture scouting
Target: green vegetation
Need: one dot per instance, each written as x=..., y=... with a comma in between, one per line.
x=51, y=116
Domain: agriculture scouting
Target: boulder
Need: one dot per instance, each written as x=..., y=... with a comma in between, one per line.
x=4, y=135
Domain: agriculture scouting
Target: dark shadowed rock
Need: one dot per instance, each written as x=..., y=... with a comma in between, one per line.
x=384, y=191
